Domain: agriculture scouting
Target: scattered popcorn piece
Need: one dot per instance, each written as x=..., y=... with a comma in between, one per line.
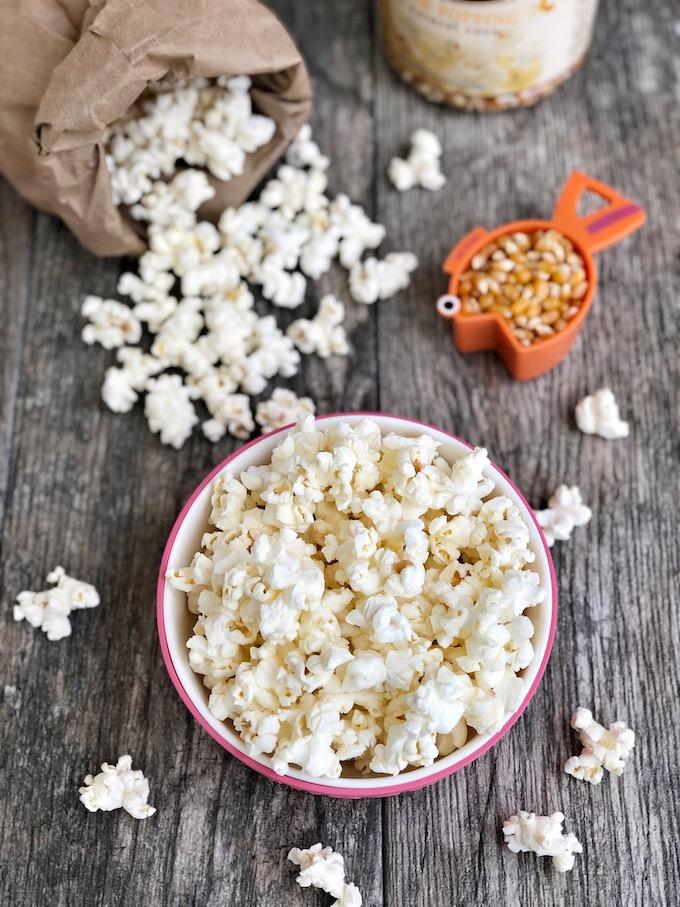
x=422, y=167
x=117, y=786
x=232, y=414
x=603, y=748
x=371, y=280
x=304, y=152
x=350, y=897
x=111, y=323
x=50, y=609
x=360, y=599
x=543, y=836
x=281, y=287
x=169, y=410
x=120, y=387
x=565, y=512
x=283, y=408
x=323, y=334
x=598, y=414
x=321, y=867
x=117, y=392
x=356, y=231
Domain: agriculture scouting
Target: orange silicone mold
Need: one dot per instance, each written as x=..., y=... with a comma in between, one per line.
x=589, y=234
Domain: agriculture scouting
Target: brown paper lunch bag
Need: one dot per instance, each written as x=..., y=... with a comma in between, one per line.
x=68, y=68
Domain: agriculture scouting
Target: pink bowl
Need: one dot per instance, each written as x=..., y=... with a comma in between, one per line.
x=175, y=622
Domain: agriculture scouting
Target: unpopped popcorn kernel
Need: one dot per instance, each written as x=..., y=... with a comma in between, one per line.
x=565, y=512
x=603, y=748
x=543, y=836
x=115, y=787
x=598, y=414
x=50, y=609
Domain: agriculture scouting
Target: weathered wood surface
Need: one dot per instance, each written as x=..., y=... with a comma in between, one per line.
x=98, y=493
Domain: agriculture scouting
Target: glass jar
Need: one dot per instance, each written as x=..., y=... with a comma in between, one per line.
x=486, y=54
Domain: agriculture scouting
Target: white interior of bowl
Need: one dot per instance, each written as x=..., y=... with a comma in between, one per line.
x=179, y=621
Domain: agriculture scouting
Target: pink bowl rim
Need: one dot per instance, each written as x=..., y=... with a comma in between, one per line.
x=315, y=787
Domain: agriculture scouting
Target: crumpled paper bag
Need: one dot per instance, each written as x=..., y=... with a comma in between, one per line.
x=68, y=68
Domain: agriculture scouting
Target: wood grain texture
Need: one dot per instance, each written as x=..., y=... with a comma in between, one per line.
x=98, y=493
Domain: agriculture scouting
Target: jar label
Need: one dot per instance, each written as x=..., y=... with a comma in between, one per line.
x=488, y=47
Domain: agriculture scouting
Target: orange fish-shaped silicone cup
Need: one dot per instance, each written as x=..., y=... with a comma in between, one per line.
x=589, y=234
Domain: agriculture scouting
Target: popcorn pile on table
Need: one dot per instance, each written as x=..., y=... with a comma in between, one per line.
x=49, y=610
x=193, y=292
x=321, y=867
x=361, y=600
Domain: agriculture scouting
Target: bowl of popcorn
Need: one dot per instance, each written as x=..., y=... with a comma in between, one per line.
x=358, y=605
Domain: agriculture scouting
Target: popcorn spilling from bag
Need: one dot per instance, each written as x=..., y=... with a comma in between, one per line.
x=543, y=836
x=565, y=512
x=361, y=600
x=598, y=414
x=204, y=123
x=321, y=867
x=49, y=610
x=115, y=787
x=603, y=748
x=421, y=167
x=194, y=288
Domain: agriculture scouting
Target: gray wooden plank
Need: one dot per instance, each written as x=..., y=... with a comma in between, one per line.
x=617, y=642
x=16, y=218
x=98, y=493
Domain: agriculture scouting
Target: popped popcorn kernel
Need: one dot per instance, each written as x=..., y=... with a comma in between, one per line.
x=543, y=836
x=283, y=408
x=321, y=867
x=603, y=748
x=598, y=414
x=49, y=610
x=565, y=512
x=111, y=323
x=117, y=787
x=169, y=410
x=421, y=167
x=323, y=334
